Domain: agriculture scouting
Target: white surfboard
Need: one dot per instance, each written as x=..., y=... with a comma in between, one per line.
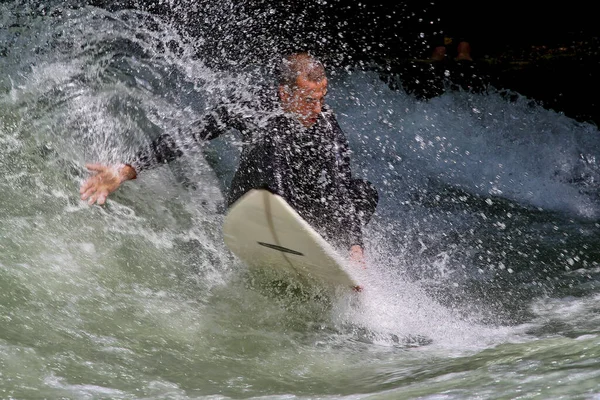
x=264, y=231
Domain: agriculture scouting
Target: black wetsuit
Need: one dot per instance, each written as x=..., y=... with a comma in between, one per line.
x=309, y=167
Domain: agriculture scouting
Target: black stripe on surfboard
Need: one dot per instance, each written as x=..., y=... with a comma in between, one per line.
x=280, y=248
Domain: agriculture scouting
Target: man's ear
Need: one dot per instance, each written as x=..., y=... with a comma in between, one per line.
x=284, y=93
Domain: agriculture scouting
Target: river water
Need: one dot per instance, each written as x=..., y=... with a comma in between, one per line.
x=483, y=256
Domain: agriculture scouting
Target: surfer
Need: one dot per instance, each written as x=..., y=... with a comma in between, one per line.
x=293, y=146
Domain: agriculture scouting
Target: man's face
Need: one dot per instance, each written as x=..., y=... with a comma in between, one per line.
x=305, y=100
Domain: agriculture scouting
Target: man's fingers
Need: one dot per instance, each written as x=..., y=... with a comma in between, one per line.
x=88, y=193
x=93, y=198
x=102, y=197
x=85, y=186
x=96, y=167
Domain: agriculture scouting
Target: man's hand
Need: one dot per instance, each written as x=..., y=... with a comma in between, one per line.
x=357, y=257
x=106, y=180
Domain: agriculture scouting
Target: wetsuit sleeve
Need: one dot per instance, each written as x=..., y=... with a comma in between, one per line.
x=167, y=148
x=344, y=172
x=162, y=150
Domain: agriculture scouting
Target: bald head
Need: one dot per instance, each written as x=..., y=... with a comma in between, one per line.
x=302, y=87
x=300, y=65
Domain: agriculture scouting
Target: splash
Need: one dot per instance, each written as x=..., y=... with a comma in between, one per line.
x=482, y=144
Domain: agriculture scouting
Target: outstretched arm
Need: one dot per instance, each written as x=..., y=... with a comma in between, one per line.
x=108, y=178
x=166, y=148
